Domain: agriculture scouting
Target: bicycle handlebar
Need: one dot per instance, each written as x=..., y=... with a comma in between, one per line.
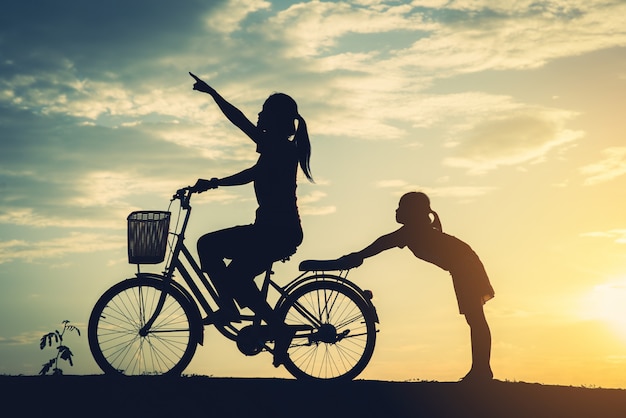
x=184, y=195
x=181, y=193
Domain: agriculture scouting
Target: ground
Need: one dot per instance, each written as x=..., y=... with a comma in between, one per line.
x=94, y=396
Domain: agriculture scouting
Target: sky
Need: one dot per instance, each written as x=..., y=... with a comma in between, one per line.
x=508, y=114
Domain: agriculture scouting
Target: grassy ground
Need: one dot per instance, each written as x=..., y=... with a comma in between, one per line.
x=95, y=396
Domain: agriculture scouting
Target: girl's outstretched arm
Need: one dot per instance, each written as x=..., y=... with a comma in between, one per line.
x=381, y=244
x=231, y=112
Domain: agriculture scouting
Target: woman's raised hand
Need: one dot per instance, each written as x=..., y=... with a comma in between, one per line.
x=201, y=85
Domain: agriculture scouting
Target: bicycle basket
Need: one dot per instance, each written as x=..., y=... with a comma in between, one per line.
x=147, y=236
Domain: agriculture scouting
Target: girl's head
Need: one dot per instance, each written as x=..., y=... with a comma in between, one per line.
x=414, y=209
x=278, y=118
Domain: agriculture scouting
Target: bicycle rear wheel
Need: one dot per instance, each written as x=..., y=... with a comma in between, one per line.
x=343, y=336
x=120, y=345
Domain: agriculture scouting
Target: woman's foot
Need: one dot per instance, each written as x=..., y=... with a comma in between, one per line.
x=282, y=341
x=281, y=344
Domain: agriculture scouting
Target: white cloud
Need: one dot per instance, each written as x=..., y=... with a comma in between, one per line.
x=617, y=235
x=308, y=204
x=24, y=338
x=114, y=190
x=400, y=187
x=349, y=87
x=611, y=167
x=33, y=218
x=229, y=16
x=312, y=28
x=507, y=35
x=514, y=137
x=394, y=183
x=454, y=38
x=75, y=243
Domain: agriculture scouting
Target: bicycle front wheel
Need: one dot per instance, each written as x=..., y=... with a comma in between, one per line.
x=342, y=336
x=121, y=344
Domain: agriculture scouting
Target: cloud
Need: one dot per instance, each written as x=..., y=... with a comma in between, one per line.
x=479, y=35
x=55, y=173
x=308, y=204
x=312, y=28
x=58, y=247
x=25, y=338
x=400, y=187
x=394, y=183
x=447, y=38
x=98, y=117
x=228, y=17
x=611, y=167
x=352, y=90
x=617, y=235
x=510, y=138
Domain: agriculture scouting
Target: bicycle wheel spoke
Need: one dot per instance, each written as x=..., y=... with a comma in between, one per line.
x=120, y=343
x=343, y=338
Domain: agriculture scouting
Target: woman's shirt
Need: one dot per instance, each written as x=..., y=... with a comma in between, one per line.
x=275, y=183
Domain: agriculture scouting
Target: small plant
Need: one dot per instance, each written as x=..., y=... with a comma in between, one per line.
x=63, y=351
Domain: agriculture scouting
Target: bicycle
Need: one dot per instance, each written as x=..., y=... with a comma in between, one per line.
x=151, y=324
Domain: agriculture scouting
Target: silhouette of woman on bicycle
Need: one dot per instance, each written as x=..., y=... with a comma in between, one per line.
x=276, y=231
x=425, y=238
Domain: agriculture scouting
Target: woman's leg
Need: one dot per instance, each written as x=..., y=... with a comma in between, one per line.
x=216, y=246
x=213, y=249
x=242, y=273
x=481, y=345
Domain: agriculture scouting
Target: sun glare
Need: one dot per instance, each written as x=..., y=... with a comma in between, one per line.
x=607, y=302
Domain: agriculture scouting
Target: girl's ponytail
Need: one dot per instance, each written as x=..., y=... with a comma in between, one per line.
x=301, y=138
x=436, y=221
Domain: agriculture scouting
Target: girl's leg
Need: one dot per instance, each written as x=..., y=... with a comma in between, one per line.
x=481, y=345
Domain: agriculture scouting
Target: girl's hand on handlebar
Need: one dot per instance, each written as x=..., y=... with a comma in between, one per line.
x=203, y=185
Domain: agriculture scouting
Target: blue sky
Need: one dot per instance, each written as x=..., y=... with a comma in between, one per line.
x=508, y=114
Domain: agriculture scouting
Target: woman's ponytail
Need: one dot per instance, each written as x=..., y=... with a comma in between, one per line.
x=301, y=138
x=285, y=105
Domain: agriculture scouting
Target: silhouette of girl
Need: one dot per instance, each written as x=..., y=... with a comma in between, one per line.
x=276, y=231
x=426, y=239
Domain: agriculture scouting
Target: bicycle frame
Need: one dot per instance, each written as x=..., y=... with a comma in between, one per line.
x=181, y=255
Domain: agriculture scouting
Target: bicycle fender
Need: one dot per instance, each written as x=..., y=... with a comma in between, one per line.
x=301, y=281
x=179, y=288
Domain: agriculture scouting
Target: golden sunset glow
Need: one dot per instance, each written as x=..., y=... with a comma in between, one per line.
x=607, y=302
x=509, y=115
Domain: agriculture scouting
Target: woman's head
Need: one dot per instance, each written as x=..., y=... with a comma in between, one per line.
x=278, y=117
x=414, y=208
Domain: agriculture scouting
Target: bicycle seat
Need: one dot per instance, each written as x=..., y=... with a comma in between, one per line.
x=325, y=265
